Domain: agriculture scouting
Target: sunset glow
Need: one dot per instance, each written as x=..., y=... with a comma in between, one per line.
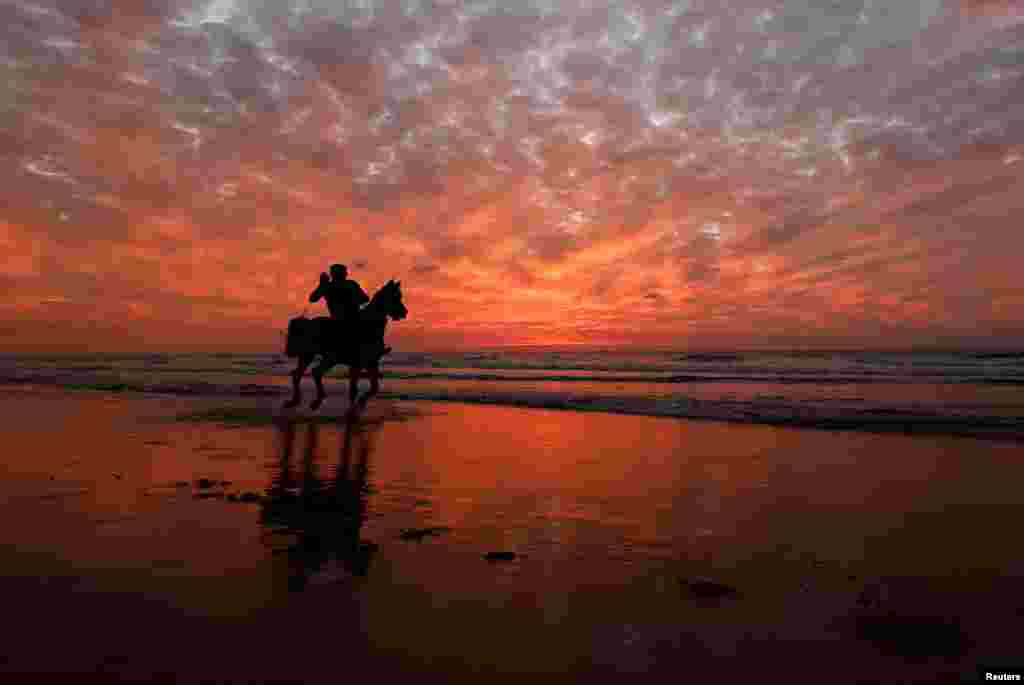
x=653, y=173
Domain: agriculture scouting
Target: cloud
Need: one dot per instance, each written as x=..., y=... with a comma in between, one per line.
x=752, y=163
x=656, y=299
x=425, y=268
x=975, y=7
x=120, y=15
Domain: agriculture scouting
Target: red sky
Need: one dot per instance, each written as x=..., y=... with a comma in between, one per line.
x=687, y=174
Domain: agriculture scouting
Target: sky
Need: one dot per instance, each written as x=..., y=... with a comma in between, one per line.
x=691, y=174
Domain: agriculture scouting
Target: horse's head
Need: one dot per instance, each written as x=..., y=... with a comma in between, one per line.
x=393, y=306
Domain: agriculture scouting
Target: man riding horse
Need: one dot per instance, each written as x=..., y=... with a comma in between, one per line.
x=344, y=298
x=356, y=340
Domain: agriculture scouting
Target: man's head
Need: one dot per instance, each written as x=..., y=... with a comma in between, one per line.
x=339, y=272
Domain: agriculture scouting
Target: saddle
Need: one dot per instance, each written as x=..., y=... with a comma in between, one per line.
x=324, y=332
x=353, y=343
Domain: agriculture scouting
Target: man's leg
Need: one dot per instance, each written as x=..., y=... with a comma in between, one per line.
x=341, y=334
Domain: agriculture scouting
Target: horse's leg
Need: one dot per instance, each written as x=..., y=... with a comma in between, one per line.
x=325, y=365
x=300, y=369
x=374, y=374
x=353, y=386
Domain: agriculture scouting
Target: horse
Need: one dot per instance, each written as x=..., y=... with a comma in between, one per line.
x=358, y=347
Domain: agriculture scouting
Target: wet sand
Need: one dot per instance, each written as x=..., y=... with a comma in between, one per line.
x=318, y=549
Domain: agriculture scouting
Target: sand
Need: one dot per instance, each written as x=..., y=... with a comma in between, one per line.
x=361, y=549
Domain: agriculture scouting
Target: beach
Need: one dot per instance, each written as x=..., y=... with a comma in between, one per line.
x=693, y=331
x=150, y=537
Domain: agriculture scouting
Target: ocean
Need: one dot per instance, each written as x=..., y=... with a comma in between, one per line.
x=970, y=393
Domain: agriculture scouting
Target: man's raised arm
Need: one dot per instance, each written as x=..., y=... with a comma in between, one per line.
x=319, y=291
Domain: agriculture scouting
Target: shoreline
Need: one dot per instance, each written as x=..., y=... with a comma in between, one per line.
x=798, y=415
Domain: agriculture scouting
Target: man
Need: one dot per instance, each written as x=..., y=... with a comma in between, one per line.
x=344, y=299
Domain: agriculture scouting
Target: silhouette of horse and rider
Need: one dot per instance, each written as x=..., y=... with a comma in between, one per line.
x=352, y=335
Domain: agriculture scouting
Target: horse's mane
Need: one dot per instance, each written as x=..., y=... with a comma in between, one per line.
x=380, y=293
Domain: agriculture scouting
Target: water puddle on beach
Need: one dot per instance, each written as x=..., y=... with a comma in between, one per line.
x=507, y=539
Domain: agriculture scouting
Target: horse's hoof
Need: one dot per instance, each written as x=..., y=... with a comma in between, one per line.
x=316, y=403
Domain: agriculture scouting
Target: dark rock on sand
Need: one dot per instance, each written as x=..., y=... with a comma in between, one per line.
x=871, y=596
x=249, y=497
x=180, y=484
x=914, y=636
x=209, y=495
x=707, y=589
x=233, y=497
x=912, y=618
x=420, y=533
x=500, y=556
x=225, y=483
x=204, y=483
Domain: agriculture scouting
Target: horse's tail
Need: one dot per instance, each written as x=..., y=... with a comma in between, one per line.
x=296, y=337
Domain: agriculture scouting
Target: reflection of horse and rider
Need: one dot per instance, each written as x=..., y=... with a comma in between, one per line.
x=352, y=335
x=316, y=518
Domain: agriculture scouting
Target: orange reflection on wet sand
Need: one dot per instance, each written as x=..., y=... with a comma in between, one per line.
x=376, y=530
